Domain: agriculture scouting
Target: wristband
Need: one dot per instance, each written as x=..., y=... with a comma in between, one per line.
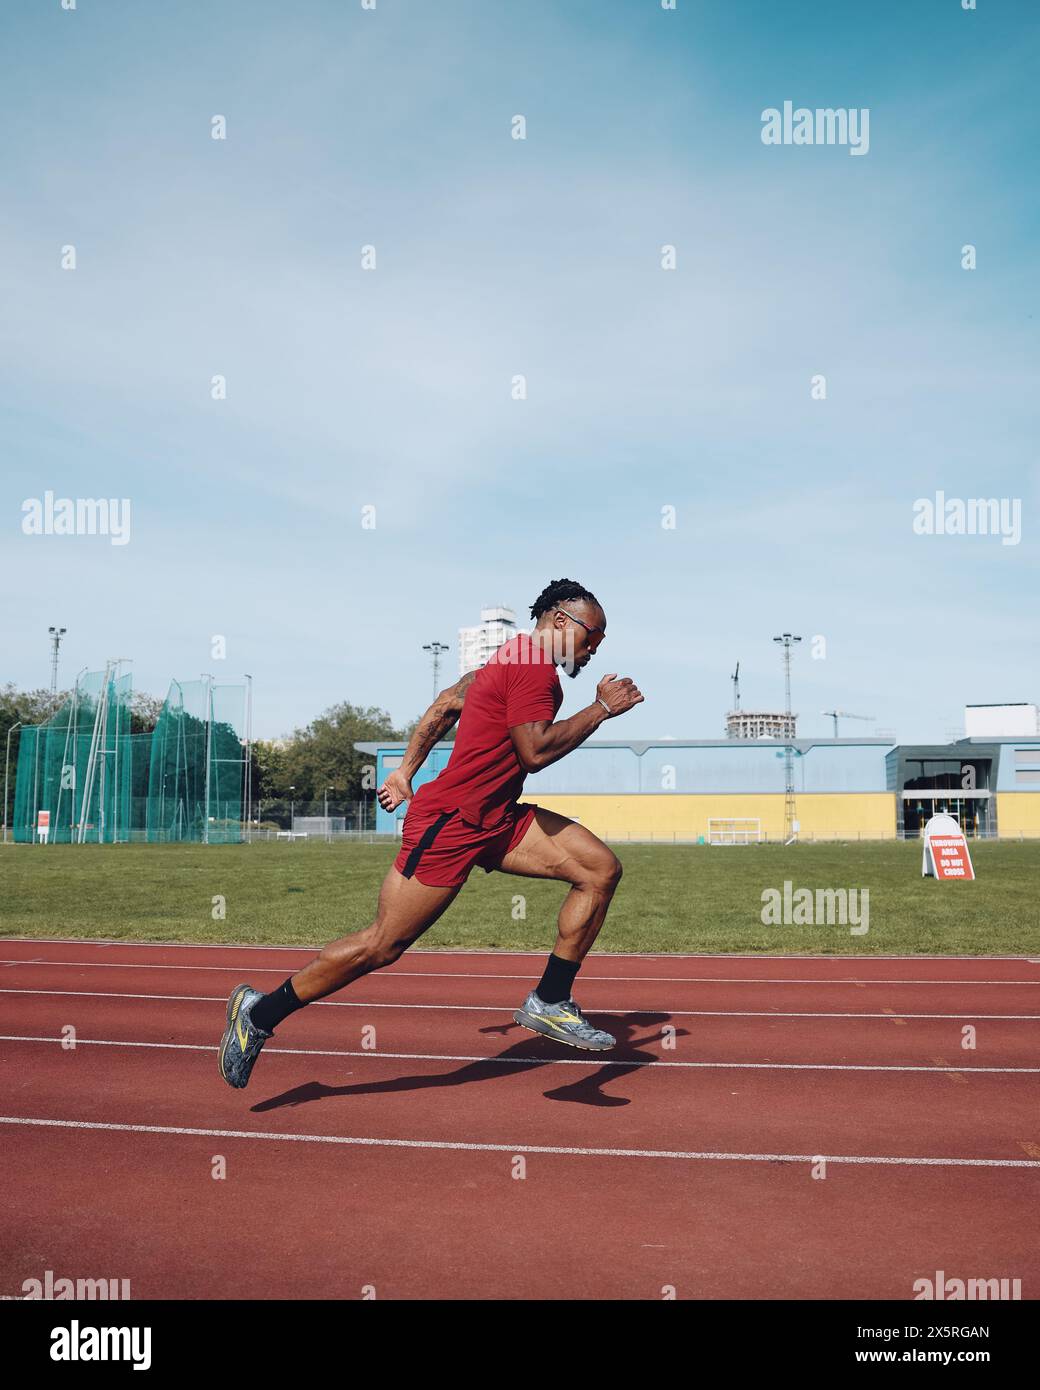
x=605, y=706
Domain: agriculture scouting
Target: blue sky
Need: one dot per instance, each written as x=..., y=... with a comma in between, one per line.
x=646, y=388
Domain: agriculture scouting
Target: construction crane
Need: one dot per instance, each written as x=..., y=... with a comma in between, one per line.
x=735, y=678
x=837, y=714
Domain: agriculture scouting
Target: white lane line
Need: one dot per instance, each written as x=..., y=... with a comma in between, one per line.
x=483, y=975
x=498, y=1008
x=467, y=1146
x=456, y=953
x=532, y=1061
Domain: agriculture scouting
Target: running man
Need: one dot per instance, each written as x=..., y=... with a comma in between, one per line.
x=468, y=815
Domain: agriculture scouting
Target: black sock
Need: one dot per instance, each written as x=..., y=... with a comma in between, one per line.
x=273, y=1007
x=555, y=984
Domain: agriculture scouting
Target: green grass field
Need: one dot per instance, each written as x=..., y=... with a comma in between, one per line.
x=672, y=898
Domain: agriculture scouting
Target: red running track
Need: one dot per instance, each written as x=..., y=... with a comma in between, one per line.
x=407, y=1140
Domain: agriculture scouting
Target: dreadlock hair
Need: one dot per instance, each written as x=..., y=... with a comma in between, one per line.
x=560, y=591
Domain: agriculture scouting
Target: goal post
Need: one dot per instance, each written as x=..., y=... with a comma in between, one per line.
x=734, y=830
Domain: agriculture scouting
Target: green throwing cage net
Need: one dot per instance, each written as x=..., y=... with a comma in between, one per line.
x=83, y=778
x=74, y=782
x=197, y=767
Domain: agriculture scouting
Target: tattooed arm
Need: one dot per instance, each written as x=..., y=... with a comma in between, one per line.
x=442, y=715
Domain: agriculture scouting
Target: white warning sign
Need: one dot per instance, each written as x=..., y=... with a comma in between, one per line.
x=945, y=850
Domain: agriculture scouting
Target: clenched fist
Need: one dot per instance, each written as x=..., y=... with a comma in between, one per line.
x=618, y=695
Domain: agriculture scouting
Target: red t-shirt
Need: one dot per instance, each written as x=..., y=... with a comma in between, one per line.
x=519, y=685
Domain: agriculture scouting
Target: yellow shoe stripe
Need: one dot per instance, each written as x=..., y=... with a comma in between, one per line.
x=556, y=1019
x=236, y=1004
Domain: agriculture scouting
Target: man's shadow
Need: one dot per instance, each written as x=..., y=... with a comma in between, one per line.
x=529, y=1051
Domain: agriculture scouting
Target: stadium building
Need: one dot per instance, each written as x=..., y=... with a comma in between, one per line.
x=726, y=790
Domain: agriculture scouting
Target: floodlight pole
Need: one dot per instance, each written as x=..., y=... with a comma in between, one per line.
x=435, y=649
x=249, y=757
x=7, y=763
x=56, y=634
x=787, y=642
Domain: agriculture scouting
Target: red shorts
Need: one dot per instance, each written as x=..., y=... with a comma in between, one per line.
x=439, y=848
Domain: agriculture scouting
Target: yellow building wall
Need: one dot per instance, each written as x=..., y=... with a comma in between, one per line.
x=1018, y=813
x=644, y=816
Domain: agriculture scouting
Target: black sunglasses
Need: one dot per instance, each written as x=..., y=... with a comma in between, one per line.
x=579, y=622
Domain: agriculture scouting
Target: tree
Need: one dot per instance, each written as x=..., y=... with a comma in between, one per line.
x=323, y=754
x=24, y=707
x=269, y=780
x=144, y=712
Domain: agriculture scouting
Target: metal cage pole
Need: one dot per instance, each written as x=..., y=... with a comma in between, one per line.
x=209, y=751
x=120, y=661
x=69, y=724
x=184, y=802
x=36, y=788
x=100, y=722
x=7, y=766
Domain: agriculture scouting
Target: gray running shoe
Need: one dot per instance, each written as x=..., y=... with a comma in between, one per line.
x=240, y=1046
x=563, y=1021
